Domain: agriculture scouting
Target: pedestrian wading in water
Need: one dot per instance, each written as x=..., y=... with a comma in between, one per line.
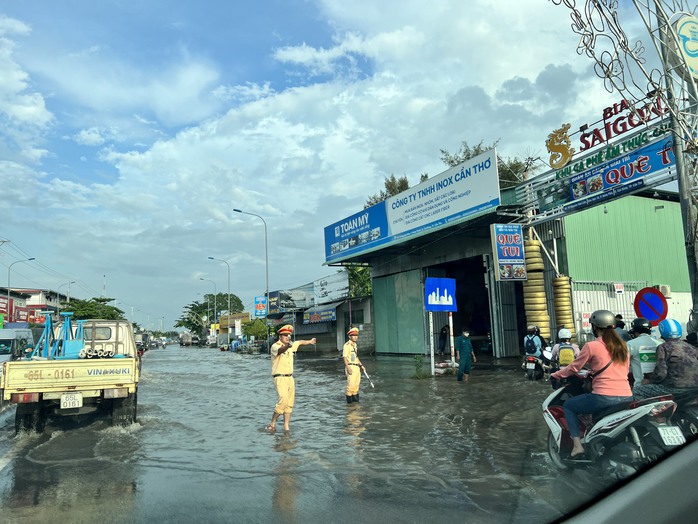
x=465, y=354
x=352, y=366
x=282, y=353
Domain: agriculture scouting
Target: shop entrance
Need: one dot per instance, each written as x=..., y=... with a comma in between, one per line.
x=471, y=298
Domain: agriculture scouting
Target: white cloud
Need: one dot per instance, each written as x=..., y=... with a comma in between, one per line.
x=187, y=140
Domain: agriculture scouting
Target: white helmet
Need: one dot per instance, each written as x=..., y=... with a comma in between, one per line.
x=564, y=334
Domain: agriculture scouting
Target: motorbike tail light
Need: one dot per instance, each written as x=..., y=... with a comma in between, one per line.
x=662, y=407
x=652, y=400
x=530, y=359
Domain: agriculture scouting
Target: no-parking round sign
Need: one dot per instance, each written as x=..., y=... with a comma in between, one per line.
x=651, y=304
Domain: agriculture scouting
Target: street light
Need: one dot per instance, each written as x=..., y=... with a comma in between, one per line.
x=215, y=295
x=229, y=315
x=58, y=292
x=9, y=312
x=266, y=260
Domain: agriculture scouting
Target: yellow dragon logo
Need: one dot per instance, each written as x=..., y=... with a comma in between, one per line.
x=560, y=147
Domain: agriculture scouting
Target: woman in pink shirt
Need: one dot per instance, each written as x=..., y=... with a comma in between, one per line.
x=610, y=384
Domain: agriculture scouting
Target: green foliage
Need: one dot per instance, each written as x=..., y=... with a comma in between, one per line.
x=359, y=281
x=195, y=317
x=419, y=368
x=256, y=328
x=93, y=308
x=393, y=186
x=511, y=171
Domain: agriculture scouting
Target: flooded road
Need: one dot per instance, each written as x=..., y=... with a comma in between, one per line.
x=410, y=451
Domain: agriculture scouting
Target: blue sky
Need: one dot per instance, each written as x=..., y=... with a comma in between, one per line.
x=131, y=129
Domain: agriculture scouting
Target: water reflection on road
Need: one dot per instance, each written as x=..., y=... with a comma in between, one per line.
x=411, y=451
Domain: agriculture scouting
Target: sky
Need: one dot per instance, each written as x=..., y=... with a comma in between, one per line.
x=130, y=130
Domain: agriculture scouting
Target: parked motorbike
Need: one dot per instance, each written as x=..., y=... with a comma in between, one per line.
x=619, y=440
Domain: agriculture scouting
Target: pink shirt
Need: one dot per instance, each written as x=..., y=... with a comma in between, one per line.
x=612, y=382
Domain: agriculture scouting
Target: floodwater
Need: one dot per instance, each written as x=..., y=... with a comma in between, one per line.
x=411, y=451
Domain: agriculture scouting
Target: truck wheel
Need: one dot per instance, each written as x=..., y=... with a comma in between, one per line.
x=124, y=410
x=30, y=417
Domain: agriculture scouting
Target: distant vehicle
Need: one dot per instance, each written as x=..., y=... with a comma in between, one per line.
x=195, y=341
x=13, y=342
x=185, y=339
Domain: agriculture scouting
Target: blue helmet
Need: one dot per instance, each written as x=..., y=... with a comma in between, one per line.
x=670, y=328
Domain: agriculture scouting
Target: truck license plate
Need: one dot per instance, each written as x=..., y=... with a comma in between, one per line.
x=671, y=435
x=71, y=400
x=530, y=365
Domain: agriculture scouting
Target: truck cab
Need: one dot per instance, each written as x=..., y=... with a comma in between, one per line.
x=14, y=342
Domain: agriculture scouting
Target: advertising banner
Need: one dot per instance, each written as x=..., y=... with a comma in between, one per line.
x=440, y=294
x=643, y=160
x=331, y=289
x=456, y=195
x=260, y=307
x=508, y=249
x=326, y=313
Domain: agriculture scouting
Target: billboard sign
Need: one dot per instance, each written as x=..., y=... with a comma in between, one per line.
x=459, y=194
x=508, y=249
x=644, y=160
x=260, y=307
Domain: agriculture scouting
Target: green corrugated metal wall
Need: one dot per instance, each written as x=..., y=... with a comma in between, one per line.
x=398, y=304
x=642, y=240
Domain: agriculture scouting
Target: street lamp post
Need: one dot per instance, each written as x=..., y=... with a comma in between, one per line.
x=266, y=261
x=229, y=315
x=215, y=294
x=58, y=292
x=9, y=312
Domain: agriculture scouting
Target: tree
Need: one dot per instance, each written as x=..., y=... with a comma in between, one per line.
x=359, y=281
x=255, y=328
x=512, y=171
x=393, y=186
x=93, y=308
x=195, y=315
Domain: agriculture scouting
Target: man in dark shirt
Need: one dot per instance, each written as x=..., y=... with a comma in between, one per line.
x=677, y=364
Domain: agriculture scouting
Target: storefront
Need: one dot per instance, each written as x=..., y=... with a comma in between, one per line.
x=441, y=228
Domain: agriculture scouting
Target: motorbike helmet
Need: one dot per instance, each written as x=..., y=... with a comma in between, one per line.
x=532, y=329
x=641, y=325
x=603, y=319
x=670, y=328
x=564, y=334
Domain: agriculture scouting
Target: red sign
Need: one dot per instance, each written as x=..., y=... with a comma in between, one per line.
x=651, y=304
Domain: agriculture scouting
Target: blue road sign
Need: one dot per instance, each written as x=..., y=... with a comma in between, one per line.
x=651, y=304
x=440, y=294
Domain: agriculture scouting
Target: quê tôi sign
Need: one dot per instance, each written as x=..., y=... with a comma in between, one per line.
x=508, y=251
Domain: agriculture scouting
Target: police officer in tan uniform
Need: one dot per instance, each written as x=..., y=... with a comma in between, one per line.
x=282, y=353
x=352, y=366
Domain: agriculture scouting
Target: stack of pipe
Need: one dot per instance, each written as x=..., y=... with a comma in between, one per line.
x=563, y=304
x=535, y=302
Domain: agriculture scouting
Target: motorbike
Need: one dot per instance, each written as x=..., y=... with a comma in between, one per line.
x=537, y=368
x=686, y=416
x=619, y=440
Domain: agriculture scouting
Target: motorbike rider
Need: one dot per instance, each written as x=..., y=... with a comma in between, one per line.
x=676, y=369
x=609, y=360
x=564, y=337
x=643, y=342
x=532, y=343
